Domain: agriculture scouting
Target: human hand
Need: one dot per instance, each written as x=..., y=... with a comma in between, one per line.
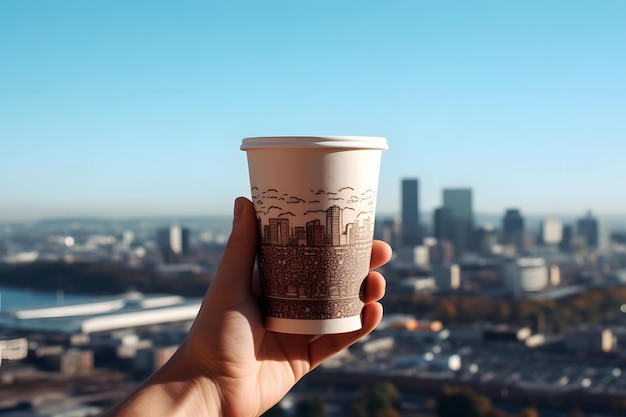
x=229, y=364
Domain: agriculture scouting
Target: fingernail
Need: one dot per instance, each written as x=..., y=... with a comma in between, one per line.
x=238, y=208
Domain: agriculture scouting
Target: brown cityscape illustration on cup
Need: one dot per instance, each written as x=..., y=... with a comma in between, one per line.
x=314, y=251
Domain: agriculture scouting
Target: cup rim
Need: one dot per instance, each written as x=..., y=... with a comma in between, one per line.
x=342, y=142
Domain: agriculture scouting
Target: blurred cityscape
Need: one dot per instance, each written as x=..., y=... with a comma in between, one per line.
x=507, y=315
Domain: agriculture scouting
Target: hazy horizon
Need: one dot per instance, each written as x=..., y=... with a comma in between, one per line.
x=30, y=216
x=615, y=223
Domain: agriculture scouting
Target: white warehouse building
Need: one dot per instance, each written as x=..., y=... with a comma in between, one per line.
x=115, y=313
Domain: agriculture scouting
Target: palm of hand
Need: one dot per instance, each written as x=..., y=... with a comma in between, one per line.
x=254, y=368
x=250, y=365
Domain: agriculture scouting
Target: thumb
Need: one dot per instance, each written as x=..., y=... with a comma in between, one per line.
x=233, y=280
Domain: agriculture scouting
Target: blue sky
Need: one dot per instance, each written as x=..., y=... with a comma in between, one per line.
x=125, y=109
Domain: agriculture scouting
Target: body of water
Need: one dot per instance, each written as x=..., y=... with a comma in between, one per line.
x=17, y=299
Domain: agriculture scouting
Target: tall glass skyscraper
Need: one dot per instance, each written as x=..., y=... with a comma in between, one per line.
x=411, y=228
x=588, y=228
x=458, y=202
x=512, y=226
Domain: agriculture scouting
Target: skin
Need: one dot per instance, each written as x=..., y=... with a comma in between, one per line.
x=229, y=365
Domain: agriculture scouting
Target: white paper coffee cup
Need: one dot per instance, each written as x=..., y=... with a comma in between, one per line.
x=315, y=202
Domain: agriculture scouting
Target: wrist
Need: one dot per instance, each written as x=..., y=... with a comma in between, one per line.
x=186, y=394
x=173, y=392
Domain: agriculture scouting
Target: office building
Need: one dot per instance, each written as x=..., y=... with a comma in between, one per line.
x=442, y=224
x=512, y=227
x=447, y=276
x=551, y=231
x=414, y=256
x=173, y=242
x=442, y=252
x=588, y=229
x=567, y=238
x=555, y=275
x=458, y=202
x=485, y=239
x=390, y=231
x=411, y=227
x=590, y=340
x=13, y=348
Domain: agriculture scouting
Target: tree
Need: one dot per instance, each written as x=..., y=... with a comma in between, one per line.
x=446, y=310
x=388, y=412
x=384, y=395
x=458, y=402
x=381, y=400
x=503, y=312
x=529, y=412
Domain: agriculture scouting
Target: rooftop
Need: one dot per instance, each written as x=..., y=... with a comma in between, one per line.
x=113, y=313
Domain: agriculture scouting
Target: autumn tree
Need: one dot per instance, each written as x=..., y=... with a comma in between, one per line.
x=461, y=402
x=380, y=400
x=529, y=412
